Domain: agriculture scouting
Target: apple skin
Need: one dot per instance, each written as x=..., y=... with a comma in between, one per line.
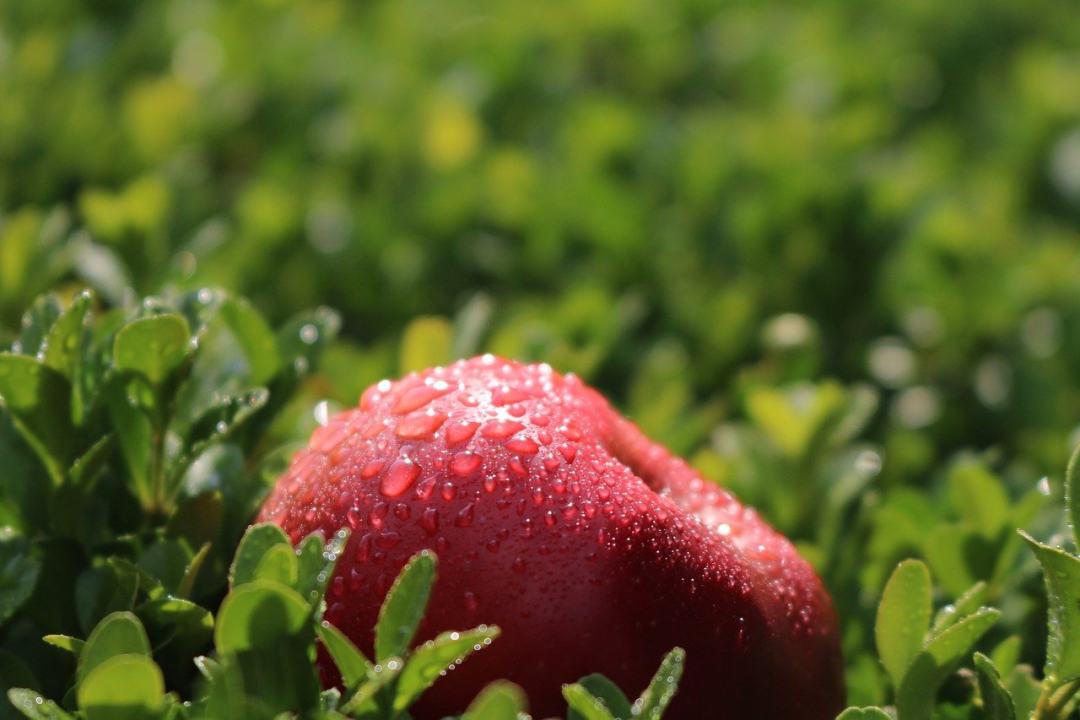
x=591, y=547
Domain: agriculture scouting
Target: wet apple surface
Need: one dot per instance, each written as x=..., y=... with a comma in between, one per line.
x=591, y=547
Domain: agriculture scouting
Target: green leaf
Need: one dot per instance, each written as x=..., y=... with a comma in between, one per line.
x=36, y=322
x=1024, y=689
x=365, y=701
x=152, y=346
x=256, y=542
x=350, y=662
x=255, y=337
x=1062, y=574
x=313, y=570
x=19, y=571
x=583, y=704
x=662, y=688
x=979, y=497
x=434, y=657
x=88, y=466
x=166, y=562
x=124, y=687
x=32, y=705
x=1006, y=654
x=969, y=602
x=939, y=659
x=66, y=642
x=427, y=342
x=865, y=713
x=103, y=589
x=39, y=400
x=500, y=700
x=133, y=431
x=256, y=615
x=178, y=614
x=62, y=346
x=222, y=418
x=1072, y=494
x=996, y=700
x=119, y=633
x=191, y=572
x=608, y=692
x=948, y=550
x=903, y=617
x=198, y=519
x=278, y=564
x=404, y=606
x=304, y=335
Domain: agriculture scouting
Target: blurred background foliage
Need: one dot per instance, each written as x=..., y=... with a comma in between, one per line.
x=828, y=251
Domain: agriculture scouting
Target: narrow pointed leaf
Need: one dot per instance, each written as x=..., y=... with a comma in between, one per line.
x=426, y=664
x=66, y=642
x=1072, y=494
x=404, y=606
x=966, y=604
x=350, y=662
x=866, y=713
x=939, y=659
x=662, y=688
x=610, y=693
x=996, y=700
x=1061, y=571
x=583, y=704
x=32, y=705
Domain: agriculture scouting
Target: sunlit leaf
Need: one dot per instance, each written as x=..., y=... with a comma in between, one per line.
x=404, y=607
x=903, y=617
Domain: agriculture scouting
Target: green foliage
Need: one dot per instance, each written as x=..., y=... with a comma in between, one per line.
x=920, y=658
x=594, y=697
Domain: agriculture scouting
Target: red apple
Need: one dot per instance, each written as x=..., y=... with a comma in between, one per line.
x=553, y=517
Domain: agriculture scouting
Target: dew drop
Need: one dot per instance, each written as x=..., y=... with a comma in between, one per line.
x=501, y=429
x=372, y=469
x=322, y=413
x=464, y=464
x=448, y=491
x=429, y=521
x=507, y=396
x=522, y=446
x=378, y=512
x=459, y=432
x=419, y=426
x=387, y=540
x=399, y=477
x=465, y=516
x=417, y=397
x=425, y=487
